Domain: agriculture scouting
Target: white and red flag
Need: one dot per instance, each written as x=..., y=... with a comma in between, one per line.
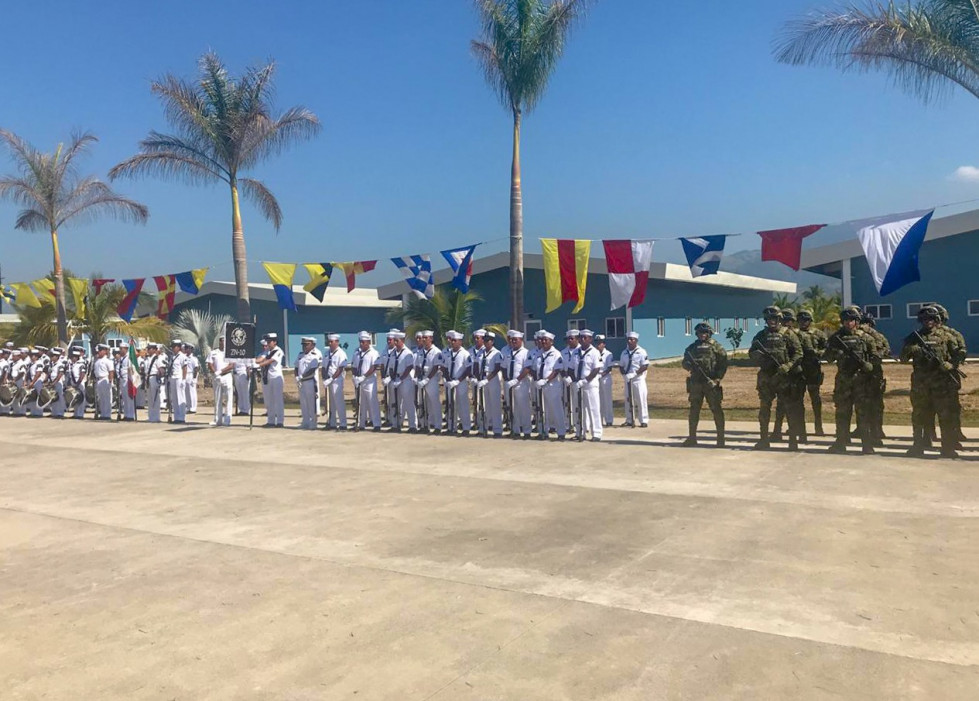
x=628, y=270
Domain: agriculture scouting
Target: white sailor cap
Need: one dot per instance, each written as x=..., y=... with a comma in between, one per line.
x=272, y=336
x=572, y=333
x=264, y=342
x=363, y=336
x=548, y=335
x=154, y=346
x=308, y=339
x=400, y=334
x=632, y=334
x=599, y=338
x=176, y=342
x=76, y=350
x=393, y=333
x=479, y=333
x=586, y=332
x=539, y=333
x=454, y=336
x=9, y=345
x=513, y=333
x=123, y=344
x=57, y=351
x=22, y=350
x=40, y=349
x=490, y=336
x=333, y=337
x=101, y=347
x=427, y=333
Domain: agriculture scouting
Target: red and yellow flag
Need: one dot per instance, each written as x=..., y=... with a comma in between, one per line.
x=565, y=271
x=167, y=286
x=352, y=270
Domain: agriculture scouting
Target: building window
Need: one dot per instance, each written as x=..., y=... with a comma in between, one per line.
x=532, y=326
x=661, y=327
x=615, y=327
x=879, y=311
x=113, y=342
x=914, y=308
x=688, y=326
x=717, y=324
x=974, y=307
x=577, y=324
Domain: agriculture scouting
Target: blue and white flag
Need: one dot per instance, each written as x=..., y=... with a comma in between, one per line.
x=704, y=254
x=417, y=271
x=891, y=245
x=461, y=261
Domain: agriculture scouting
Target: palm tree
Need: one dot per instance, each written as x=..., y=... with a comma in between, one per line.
x=53, y=194
x=200, y=329
x=519, y=50
x=449, y=309
x=926, y=46
x=223, y=125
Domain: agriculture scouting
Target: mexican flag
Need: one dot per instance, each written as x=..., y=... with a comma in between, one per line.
x=133, y=370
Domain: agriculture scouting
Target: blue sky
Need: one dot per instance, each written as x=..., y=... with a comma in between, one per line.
x=663, y=119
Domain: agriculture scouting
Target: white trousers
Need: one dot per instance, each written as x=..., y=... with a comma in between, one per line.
x=190, y=386
x=178, y=399
x=244, y=398
x=274, y=401
x=338, y=408
x=461, y=416
x=128, y=403
x=368, y=403
x=638, y=390
x=433, y=403
x=591, y=410
x=103, y=397
x=18, y=407
x=153, y=400
x=493, y=399
x=222, y=401
x=307, y=403
x=554, y=415
x=406, y=402
x=521, y=407
x=605, y=392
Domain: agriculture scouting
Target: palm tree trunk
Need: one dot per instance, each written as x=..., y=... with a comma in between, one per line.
x=59, y=291
x=516, y=232
x=239, y=257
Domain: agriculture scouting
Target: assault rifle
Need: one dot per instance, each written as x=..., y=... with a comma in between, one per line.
x=955, y=375
x=711, y=382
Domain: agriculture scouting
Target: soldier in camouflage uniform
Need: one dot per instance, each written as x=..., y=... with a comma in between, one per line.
x=706, y=360
x=854, y=352
x=878, y=383
x=935, y=382
x=796, y=391
x=813, y=348
x=960, y=353
x=778, y=353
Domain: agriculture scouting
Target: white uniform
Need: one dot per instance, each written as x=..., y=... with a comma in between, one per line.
x=5, y=364
x=274, y=400
x=489, y=362
x=429, y=361
x=103, y=389
x=635, y=363
x=176, y=391
x=385, y=361
x=18, y=373
x=59, y=376
x=401, y=392
x=456, y=363
x=36, y=377
x=365, y=385
x=555, y=417
x=335, y=360
x=589, y=362
x=193, y=370
x=605, y=387
x=242, y=385
x=222, y=385
x=520, y=391
x=570, y=357
x=123, y=374
x=155, y=369
x=307, y=368
x=78, y=370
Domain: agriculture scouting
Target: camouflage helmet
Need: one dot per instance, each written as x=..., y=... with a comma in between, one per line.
x=928, y=312
x=942, y=311
x=788, y=315
x=850, y=314
x=805, y=315
x=703, y=327
x=771, y=312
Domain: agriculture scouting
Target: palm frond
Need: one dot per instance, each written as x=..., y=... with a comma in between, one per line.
x=31, y=220
x=265, y=137
x=202, y=329
x=92, y=199
x=263, y=198
x=19, y=191
x=167, y=165
x=926, y=48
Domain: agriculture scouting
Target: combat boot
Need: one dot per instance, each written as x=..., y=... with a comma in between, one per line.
x=691, y=434
x=720, y=431
x=763, y=442
x=793, y=443
x=690, y=442
x=837, y=447
x=917, y=449
x=818, y=418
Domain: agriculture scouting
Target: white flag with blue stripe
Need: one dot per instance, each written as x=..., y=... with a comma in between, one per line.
x=891, y=245
x=417, y=271
x=461, y=262
x=704, y=254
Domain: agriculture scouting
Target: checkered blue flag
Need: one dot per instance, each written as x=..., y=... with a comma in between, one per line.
x=417, y=271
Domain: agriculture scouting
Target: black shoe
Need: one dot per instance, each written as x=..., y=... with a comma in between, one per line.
x=690, y=442
x=465, y=433
x=793, y=445
x=915, y=451
x=561, y=438
x=949, y=453
x=775, y=438
x=867, y=449
x=720, y=441
x=762, y=445
x=643, y=425
x=837, y=447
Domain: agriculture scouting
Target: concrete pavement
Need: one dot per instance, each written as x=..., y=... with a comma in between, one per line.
x=156, y=562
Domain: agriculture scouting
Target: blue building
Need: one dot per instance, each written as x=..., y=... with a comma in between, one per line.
x=948, y=276
x=674, y=302
x=340, y=312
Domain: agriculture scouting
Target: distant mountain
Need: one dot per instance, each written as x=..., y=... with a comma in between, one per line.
x=750, y=263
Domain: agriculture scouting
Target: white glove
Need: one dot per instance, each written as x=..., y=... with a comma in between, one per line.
x=581, y=383
x=327, y=382
x=387, y=381
x=542, y=383
x=396, y=384
x=630, y=376
x=482, y=383
x=423, y=383
x=568, y=381
x=452, y=384
x=358, y=381
x=511, y=384
x=473, y=381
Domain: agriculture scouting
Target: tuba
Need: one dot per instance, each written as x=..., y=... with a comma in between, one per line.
x=7, y=392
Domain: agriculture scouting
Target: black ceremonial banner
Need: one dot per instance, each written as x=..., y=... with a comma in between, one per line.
x=239, y=341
